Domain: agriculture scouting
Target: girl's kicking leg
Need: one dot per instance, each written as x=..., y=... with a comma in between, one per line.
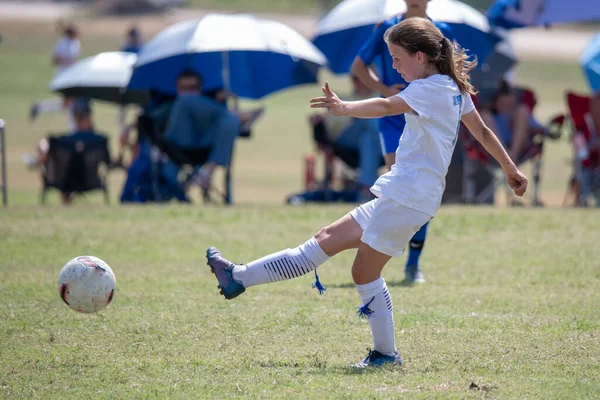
x=233, y=279
x=387, y=228
x=376, y=306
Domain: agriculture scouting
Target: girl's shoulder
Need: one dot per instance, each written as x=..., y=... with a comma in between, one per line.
x=437, y=82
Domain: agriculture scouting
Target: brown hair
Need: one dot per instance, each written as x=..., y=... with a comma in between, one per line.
x=420, y=34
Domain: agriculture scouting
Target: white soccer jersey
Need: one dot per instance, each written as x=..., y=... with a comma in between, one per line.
x=418, y=178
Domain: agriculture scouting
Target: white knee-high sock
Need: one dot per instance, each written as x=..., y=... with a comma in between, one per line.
x=286, y=264
x=377, y=308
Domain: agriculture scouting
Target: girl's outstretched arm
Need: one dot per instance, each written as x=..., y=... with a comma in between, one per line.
x=370, y=108
x=484, y=135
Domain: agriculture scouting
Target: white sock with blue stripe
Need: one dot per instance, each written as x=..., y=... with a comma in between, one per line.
x=286, y=264
x=377, y=308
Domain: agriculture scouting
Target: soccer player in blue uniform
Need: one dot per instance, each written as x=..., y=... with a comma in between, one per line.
x=389, y=83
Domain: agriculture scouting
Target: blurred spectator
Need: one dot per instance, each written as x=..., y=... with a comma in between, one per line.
x=247, y=117
x=132, y=44
x=151, y=176
x=354, y=134
x=197, y=124
x=66, y=52
x=67, y=49
x=511, y=119
x=133, y=41
x=84, y=132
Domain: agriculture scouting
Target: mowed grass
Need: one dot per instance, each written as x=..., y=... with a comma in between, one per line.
x=510, y=308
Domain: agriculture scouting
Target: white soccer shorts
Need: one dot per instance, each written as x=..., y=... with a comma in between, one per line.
x=387, y=225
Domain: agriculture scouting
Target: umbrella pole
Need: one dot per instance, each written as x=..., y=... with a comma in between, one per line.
x=225, y=70
x=3, y=163
x=227, y=87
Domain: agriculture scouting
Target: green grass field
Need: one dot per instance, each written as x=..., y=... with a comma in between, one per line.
x=511, y=305
x=510, y=308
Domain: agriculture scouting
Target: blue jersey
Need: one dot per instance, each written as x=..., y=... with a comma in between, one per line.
x=375, y=51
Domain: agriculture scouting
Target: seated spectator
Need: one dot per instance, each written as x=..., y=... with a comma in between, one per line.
x=355, y=134
x=150, y=176
x=247, y=117
x=511, y=119
x=197, y=124
x=84, y=132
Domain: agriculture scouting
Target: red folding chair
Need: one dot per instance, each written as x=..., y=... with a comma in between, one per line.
x=477, y=155
x=585, y=141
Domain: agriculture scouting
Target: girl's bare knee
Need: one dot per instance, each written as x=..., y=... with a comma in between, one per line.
x=323, y=234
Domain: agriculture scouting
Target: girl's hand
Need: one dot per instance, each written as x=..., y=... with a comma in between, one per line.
x=517, y=181
x=331, y=102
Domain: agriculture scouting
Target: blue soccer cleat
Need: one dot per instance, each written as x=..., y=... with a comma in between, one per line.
x=377, y=359
x=223, y=270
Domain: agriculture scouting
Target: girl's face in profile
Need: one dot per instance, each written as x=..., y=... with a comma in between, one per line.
x=410, y=66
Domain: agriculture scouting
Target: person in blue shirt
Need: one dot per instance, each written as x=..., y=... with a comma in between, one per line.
x=133, y=41
x=389, y=83
x=197, y=123
x=132, y=44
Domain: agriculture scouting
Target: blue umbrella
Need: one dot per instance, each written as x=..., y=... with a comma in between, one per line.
x=249, y=56
x=590, y=62
x=522, y=13
x=341, y=33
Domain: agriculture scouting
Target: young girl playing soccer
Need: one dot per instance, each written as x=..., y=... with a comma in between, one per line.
x=436, y=101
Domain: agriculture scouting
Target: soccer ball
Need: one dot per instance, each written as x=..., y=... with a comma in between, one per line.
x=86, y=284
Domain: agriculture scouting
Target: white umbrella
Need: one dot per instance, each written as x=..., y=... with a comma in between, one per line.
x=251, y=56
x=104, y=76
x=342, y=32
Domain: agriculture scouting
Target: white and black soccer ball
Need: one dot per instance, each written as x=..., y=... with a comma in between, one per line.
x=86, y=284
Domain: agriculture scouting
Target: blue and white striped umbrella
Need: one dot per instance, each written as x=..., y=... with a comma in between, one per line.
x=590, y=62
x=250, y=56
x=341, y=33
x=522, y=13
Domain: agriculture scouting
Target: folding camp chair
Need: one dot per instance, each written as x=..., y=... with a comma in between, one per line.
x=532, y=152
x=333, y=152
x=189, y=162
x=76, y=166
